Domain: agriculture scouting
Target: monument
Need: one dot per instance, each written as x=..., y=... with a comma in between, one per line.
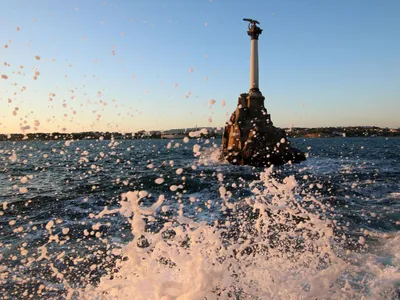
x=250, y=138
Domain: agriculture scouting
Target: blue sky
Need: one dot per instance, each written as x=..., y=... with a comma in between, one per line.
x=131, y=65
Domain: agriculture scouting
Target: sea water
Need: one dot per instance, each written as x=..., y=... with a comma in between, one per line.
x=166, y=219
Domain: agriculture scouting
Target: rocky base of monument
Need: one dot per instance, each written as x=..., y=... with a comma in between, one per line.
x=251, y=139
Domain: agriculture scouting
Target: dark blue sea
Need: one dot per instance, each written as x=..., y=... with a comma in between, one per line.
x=166, y=219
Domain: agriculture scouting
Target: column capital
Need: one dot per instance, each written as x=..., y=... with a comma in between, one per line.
x=254, y=31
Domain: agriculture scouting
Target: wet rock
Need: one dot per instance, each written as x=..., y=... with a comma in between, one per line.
x=250, y=138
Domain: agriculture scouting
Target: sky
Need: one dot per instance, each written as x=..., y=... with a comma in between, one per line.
x=72, y=66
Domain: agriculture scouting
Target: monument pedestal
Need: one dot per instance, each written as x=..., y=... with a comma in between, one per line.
x=250, y=138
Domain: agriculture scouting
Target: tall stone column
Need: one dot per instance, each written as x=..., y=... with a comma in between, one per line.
x=254, y=65
x=254, y=32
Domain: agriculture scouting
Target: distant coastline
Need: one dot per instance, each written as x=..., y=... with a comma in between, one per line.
x=204, y=132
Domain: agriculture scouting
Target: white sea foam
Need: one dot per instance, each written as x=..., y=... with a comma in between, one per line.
x=395, y=195
x=274, y=249
x=211, y=156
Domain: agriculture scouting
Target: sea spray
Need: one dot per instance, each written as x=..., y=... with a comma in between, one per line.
x=267, y=247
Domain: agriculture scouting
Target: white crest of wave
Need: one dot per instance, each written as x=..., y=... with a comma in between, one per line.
x=269, y=247
x=211, y=156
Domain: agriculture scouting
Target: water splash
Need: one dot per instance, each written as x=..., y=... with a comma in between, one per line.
x=268, y=246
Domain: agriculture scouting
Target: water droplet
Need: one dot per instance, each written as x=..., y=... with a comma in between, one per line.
x=159, y=180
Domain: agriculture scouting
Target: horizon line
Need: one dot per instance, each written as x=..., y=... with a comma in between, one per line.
x=191, y=128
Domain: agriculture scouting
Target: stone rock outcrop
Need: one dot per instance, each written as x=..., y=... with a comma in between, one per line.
x=251, y=139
